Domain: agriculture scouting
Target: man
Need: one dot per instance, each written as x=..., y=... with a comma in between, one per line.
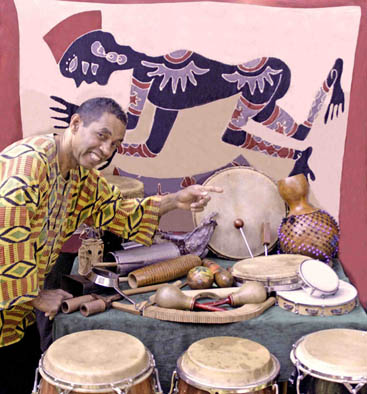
x=48, y=187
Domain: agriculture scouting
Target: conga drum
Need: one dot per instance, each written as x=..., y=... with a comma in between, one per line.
x=276, y=272
x=98, y=361
x=225, y=365
x=129, y=187
x=248, y=195
x=336, y=359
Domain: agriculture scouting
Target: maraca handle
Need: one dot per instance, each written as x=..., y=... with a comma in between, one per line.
x=207, y=307
x=219, y=302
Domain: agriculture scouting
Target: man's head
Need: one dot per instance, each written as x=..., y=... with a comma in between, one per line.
x=94, y=108
x=97, y=128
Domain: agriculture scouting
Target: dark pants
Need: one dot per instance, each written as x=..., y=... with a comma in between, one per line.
x=19, y=362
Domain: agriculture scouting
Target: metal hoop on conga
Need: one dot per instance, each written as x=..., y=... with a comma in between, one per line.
x=248, y=195
x=225, y=365
x=334, y=355
x=82, y=362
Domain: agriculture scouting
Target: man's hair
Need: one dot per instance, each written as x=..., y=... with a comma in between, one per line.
x=92, y=109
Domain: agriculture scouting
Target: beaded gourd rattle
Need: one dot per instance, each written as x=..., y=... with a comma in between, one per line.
x=306, y=230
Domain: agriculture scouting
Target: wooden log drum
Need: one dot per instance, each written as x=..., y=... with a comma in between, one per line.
x=98, y=361
x=225, y=365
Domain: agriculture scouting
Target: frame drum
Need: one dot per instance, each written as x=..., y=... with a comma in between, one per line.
x=318, y=278
x=276, y=272
x=129, y=187
x=299, y=301
x=98, y=361
x=248, y=195
x=335, y=355
x=225, y=365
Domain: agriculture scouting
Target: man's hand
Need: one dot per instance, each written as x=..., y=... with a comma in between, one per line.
x=193, y=198
x=49, y=301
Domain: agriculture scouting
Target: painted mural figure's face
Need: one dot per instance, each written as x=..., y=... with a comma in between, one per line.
x=93, y=57
x=94, y=144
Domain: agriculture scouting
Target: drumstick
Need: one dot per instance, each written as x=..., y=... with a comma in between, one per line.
x=238, y=223
x=265, y=232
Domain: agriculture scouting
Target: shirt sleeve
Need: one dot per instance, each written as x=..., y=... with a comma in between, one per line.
x=19, y=196
x=135, y=219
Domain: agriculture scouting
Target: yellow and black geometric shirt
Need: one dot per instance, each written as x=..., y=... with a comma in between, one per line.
x=40, y=210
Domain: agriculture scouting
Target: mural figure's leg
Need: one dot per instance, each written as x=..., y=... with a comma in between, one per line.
x=236, y=136
x=162, y=125
x=277, y=119
x=138, y=94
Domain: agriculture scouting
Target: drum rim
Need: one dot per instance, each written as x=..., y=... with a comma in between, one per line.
x=91, y=388
x=312, y=286
x=235, y=168
x=289, y=283
x=258, y=385
x=321, y=375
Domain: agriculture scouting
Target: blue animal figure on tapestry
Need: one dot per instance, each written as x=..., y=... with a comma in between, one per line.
x=185, y=79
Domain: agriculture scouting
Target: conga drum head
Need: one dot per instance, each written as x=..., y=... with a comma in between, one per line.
x=338, y=355
x=129, y=187
x=227, y=364
x=318, y=277
x=276, y=272
x=92, y=360
x=248, y=195
x=301, y=302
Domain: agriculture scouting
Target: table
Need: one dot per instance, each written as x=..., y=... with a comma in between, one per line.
x=276, y=329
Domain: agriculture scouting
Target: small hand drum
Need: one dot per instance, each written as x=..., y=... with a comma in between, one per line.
x=275, y=272
x=302, y=303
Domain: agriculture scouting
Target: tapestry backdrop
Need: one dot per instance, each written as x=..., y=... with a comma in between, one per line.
x=204, y=84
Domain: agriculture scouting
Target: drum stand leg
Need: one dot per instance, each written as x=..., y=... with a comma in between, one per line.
x=355, y=389
x=174, y=381
x=35, y=385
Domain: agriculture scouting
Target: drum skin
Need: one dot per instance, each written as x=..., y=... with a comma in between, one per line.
x=250, y=196
x=83, y=361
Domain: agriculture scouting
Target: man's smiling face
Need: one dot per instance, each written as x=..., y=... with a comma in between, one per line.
x=94, y=144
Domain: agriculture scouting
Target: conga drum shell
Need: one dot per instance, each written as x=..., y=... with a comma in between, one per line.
x=92, y=361
x=227, y=365
x=129, y=187
x=248, y=195
x=276, y=272
x=338, y=355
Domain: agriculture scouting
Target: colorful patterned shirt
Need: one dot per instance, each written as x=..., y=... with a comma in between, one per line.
x=40, y=210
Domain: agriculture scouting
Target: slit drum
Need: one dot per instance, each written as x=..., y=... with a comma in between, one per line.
x=336, y=355
x=98, y=361
x=225, y=365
